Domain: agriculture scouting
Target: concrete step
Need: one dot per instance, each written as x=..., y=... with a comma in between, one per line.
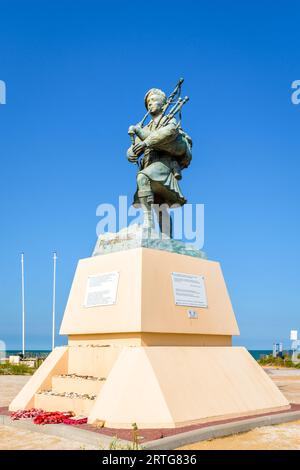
x=47, y=401
x=77, y=383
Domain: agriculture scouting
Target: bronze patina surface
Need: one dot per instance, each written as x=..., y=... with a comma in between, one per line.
x=161, y=149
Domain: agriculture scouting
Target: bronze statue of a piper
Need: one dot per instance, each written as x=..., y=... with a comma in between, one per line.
x=166, y=151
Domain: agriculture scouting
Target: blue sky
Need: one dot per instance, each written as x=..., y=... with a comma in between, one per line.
x=76, y=74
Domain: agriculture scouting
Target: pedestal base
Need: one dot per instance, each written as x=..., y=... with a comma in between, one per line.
x=143, y=356
x=154, y=387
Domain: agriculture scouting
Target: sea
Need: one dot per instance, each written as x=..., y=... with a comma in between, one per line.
x=256, y=353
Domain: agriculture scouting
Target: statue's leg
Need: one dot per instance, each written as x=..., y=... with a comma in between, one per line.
x=164, y=219
x=146, y=198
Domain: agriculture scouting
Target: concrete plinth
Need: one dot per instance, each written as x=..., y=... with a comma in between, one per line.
x=162, y=387
x=145, y=310
x=143, y=359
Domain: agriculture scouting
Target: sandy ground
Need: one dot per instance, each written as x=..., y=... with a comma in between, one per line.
x=9, y=387
x=281, y=437
x=17, y=439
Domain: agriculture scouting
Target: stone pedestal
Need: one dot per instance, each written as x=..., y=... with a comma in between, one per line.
x=145, y=312
x=144, y=359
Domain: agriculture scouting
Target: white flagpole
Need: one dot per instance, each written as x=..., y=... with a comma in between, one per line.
x=54, y=299
x=23, y=305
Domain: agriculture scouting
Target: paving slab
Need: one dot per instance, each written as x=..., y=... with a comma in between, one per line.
x=10, y=385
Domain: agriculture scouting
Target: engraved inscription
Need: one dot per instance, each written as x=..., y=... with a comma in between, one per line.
x=189, y=290
x=101, y=289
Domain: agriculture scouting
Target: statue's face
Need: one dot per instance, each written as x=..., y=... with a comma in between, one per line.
x=155, y=103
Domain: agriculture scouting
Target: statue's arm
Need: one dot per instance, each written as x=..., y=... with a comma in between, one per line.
x=142, y=132
x=162, y=135
x=131, y=155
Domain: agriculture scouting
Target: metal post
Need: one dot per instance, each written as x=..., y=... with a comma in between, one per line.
x=54, y=299
x=23, y=305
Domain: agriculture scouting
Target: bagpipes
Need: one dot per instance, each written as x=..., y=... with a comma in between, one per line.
x=173, y=99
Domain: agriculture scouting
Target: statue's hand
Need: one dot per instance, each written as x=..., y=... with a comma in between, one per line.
x=131, y=130
x=139, y=148
x=132, y=158
x=134, y=129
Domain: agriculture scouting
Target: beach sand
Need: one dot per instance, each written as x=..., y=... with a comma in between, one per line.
x=17, y=439
x=10, y=386
x=281, y=437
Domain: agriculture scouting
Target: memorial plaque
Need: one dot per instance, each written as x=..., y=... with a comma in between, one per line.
x=101, y=289
x=189, y=290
